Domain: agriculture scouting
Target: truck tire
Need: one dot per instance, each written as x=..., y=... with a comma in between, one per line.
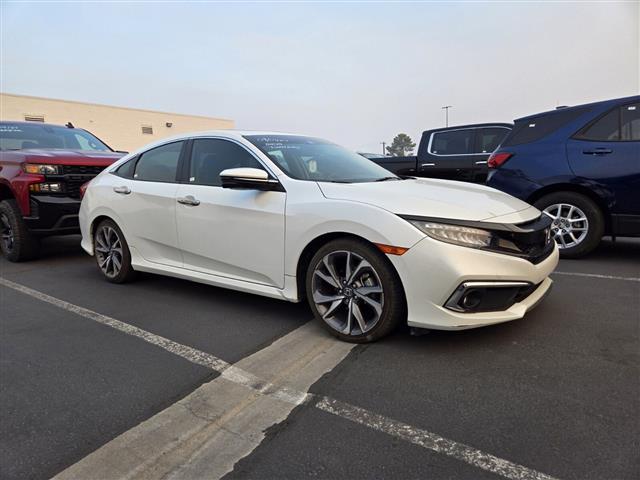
x=18, y=244
x=354, y=291
x=578, y=223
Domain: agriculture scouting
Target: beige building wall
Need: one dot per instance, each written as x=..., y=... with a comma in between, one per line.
x=119, y=127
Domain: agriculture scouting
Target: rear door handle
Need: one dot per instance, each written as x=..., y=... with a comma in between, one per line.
x=481, y=162
x=598, y=151
x=428, y=165
x=124, y=190
x=189, y=200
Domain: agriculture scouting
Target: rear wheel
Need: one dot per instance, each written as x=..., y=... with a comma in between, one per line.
x=354, y=291
x=17, y=242
x=578, y=223
x=112, y=253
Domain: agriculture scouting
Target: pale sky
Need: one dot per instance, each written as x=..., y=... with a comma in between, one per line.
x=357, y=73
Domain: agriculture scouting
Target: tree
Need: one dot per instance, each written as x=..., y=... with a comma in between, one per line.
x=401, y=146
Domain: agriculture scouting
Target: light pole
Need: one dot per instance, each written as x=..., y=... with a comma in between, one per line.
x=384, y=150
x=446, y=110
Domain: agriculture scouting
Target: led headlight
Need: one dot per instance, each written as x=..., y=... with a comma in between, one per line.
x=456, y=234
x=41, y=169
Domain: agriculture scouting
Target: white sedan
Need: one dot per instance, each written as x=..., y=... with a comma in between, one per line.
x=290, y=216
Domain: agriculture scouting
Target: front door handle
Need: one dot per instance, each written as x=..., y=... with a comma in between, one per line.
x=124, y=190
x=598, y=151
x=428, y=165
x=189, y=200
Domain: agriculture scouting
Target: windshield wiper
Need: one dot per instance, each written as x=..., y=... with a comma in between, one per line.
x=384, y=179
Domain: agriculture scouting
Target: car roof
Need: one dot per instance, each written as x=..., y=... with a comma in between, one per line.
x=600, y=104
x=38, y=124
x=470, y=125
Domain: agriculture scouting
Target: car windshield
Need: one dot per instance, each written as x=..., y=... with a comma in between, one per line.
x=22, y=136
x=314, y=159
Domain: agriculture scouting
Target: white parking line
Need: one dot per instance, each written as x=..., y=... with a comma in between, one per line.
x=597, y=275
x=423, y=438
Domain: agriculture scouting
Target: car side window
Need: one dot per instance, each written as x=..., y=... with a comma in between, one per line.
x=454, y=142
x=159, y=164
x=605, y=129
x=210, y=156
x=126, y=169
x=630, y=118
x=488, y=139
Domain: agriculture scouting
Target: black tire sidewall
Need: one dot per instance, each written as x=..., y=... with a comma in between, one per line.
x=394, y=307
x=25, y=244
x=126, y=272
x=591, y=210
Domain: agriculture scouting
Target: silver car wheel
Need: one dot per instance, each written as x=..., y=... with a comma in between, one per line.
x=347, y=292
x=108, y=247
x=570, y=225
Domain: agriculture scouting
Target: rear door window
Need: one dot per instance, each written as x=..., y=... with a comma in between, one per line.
x=605, y=129
x=488, y=139
x=630, y=129
x=159, y=164
x=453, y=142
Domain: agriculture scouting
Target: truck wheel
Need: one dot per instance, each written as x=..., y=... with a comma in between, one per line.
x=112, y=253
x=578, y=223
x=354, y=291
x=18, y=244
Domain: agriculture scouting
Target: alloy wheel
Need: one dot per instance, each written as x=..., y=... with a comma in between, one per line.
x=570, y=224
x=108, y=248
x=8, y=238
x=347, y=292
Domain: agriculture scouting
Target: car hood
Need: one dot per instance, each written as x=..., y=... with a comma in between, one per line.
x=435, y=198
x=70, y=157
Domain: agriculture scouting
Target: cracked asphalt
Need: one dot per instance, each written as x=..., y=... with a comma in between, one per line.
x=558, y=391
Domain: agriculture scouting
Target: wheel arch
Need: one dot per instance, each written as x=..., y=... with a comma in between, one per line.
x=312, y=247
x=572, y=187
x=5, y=192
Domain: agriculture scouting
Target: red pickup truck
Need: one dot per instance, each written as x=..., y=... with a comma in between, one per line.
x=42, y=168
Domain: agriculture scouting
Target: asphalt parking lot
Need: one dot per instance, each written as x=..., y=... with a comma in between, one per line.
x=556, y=394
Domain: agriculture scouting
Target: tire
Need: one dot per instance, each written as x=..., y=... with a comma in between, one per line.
x=112, y=254
x=18, y=244
x=373, y=298
x=587, y=232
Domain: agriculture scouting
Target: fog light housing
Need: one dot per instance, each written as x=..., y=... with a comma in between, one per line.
x=45, y=187
x=473, y=297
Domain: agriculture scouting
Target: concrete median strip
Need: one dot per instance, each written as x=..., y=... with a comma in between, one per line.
x=205, y=434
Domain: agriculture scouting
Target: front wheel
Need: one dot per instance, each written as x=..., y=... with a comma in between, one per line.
x=17, y=242
x=354, y=291
x=577, y=222
x=112, y=253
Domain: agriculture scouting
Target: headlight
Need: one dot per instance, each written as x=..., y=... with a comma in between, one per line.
x=41, y=169
x=458, y=235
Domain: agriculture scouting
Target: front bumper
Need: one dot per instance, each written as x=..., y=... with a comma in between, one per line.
x=431, y=271
x=52, y=215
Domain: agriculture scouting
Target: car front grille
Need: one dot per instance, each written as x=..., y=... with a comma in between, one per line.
x=73, y=177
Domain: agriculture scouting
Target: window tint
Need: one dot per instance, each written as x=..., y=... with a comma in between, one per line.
x=210, y=156
x=533, y=129
x=488, y=139
x=159, y=164
x=454, y=142
x=631, y=122
x=126, y=169
x=606, y=128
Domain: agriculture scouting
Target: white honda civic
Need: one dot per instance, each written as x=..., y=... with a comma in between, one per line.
x=290, y=216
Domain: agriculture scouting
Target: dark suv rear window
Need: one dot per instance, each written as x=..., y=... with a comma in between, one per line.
x=535, y=128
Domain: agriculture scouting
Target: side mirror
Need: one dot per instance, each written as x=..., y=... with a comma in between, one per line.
x=249, y=178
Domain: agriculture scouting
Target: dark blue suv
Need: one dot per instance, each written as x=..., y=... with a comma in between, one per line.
x=579, y=165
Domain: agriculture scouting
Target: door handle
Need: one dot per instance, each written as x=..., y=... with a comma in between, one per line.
x=124, y=190
x=428, y=165
x=481, y=162
x=598, y=151
x=189, y=200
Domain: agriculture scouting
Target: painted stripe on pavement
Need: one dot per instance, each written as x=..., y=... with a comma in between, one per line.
x=414, y=435
x=597, y=275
